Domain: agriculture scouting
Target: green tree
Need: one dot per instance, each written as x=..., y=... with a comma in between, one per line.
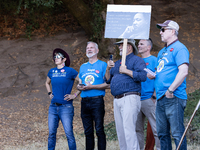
x=90, y=14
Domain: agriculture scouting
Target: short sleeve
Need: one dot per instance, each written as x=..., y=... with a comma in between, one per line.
x=182, y=56
x=74, y=73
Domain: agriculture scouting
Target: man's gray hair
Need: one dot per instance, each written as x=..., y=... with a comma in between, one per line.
x=176, y=33
x=150, y=42
x=96, y=45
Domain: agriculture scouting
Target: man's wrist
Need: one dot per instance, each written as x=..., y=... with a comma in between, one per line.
x=108, y=68
x=171, y=92
x=49, y=93
x=153, y=97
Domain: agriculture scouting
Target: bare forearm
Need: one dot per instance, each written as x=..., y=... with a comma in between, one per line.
x=77, y=93
x=107, y=74
x=48, y=87
x=98, y=87
x=180, y=77
x=177, y=82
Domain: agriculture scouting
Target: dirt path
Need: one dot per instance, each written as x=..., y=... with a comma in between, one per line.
x=24, y=101
x=24, y=66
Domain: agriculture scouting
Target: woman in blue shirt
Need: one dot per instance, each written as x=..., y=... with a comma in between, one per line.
x=61, y=108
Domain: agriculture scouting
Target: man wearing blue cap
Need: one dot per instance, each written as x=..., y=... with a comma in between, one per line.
x=170, y=85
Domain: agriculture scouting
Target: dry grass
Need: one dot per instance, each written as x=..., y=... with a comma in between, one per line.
x=80, y=141
x=61, y=145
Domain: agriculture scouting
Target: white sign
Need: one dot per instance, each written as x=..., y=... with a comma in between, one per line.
x=128, y=21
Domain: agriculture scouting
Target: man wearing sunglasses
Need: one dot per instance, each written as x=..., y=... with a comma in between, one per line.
x=170, y=85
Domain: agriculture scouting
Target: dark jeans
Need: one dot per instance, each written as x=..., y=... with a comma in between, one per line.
x=92, y=112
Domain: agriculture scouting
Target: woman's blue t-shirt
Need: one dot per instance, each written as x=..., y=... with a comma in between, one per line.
x=62, y=81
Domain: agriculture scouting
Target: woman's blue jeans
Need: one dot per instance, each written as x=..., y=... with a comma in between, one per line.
x=64, y=113
x=170, y=115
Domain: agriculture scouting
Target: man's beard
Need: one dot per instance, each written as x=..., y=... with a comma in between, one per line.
x=90, y=55
x=120, y=52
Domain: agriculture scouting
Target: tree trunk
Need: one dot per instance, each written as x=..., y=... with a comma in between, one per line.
x=105, y=2
x=81, y=12
x=127, y=2
x=106, y=45
x=84, y=16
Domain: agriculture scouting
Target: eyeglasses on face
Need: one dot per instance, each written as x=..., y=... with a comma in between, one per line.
x=163, y=29
x=58, y=56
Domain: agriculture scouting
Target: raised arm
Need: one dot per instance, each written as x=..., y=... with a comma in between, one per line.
x=110, y=64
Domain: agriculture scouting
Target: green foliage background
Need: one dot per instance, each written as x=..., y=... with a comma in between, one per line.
x=36, y=11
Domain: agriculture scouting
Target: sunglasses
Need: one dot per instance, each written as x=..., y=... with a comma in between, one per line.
x=58, y=56
x=163, y=29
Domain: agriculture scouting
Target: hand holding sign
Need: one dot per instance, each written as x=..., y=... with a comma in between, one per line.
x=124, y=52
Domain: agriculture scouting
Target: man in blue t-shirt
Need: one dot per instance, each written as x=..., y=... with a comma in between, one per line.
x=148, y=98
x=170, y=85
x=92, y=87
x=125, y=84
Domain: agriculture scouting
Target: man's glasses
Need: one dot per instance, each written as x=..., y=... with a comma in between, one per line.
x=58, y=56
x=163, y=29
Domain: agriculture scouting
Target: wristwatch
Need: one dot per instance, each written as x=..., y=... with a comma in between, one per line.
x=170, y=91
x=49, y=93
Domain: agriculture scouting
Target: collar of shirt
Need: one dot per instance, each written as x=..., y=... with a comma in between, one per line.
x=170, y=43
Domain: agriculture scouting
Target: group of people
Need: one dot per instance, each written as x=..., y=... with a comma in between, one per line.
x=137, y=93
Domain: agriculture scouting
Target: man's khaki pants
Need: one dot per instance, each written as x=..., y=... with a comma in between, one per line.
x=126, y=110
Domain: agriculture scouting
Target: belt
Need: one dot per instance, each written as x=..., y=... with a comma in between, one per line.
x=128, y=93
x=86, y=98
x=161, y=97
x=57, y=104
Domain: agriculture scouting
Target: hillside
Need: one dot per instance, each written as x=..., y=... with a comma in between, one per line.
x=24, y=65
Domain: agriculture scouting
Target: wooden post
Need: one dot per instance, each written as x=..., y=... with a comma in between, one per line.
x=197, y=107
x=124, y=52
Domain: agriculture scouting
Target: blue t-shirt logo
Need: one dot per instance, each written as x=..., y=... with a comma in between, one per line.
x=89, y=79
x=160, y=66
